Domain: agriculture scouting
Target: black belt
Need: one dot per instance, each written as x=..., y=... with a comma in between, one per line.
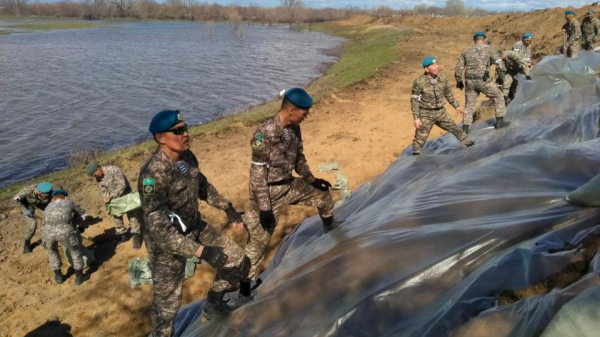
x=431, y=109
x=281, y=182
x=475, y=78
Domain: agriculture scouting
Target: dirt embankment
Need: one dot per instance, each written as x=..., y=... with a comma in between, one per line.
x=364, y=127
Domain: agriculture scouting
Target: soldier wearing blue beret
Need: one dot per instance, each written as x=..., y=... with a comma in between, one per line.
x=170, y=184
x=590, y=30
x=572, y=31
x=523, y=47
x=29, y=198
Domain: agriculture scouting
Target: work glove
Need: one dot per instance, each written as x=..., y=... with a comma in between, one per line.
x=214, y=256
x=28, y=213
x=321, y=184
x=460, y=85
x=528, y=78
x=81, y=229
x=233, y=215
x=500, y=80
x=267, y=220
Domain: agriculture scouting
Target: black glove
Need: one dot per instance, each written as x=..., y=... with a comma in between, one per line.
x=321, y=184
x=81, y=229
x=460, y=85
x=500, y=80
x=267, y=220
x=233, y=215
x=528, y=78
x=214, y=256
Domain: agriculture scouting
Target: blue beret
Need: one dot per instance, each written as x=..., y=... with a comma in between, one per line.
x=299, y=98
x=63, y=192
x=478, y=34
x=528, y=36
x=44, y=187
x=165, y=120
x=429, y=61
x=569, y=12
x=591, y=11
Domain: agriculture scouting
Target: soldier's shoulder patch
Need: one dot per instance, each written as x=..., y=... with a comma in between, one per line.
x=258, y=141
x=149, y=187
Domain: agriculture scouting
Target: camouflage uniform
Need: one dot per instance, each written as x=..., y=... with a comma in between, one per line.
x=476, y=62
x=514, y=64
x=524, y=51
x=590, y=27
x=572, y=28
x=114, y=184
x=28, y=199
x=427, y=104
x=58, y=228
x=164, y=189
x=276, y=152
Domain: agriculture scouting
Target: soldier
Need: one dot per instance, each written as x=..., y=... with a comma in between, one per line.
x=515, y=64
x=30, y=198
x=170, y=184
x=523, y=47
x=590, y=27
x=429, y=94
x=277, y=151
x=573, y=35
x=476, y=62
x=58, y=227
x=114, y=184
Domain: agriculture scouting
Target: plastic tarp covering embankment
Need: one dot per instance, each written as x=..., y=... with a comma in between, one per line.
x=423, y=247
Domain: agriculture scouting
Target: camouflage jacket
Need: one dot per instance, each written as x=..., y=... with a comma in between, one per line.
x=573, y=31
x=431, y=94
x=165, y=188
x=114, y=184
x=475, y=61
x=590, y=27
x=27, y=198
x=515, y=63
x=61, y=212
x=525, y=51
x=276, y=152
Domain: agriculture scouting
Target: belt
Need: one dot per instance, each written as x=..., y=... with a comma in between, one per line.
x=431, y=109
x=475, y=78
x=281, y=182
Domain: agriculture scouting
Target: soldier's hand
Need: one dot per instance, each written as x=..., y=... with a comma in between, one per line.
x=460, y=85
x=321, y=184
x=500, y=80
x=232, y=215
x=528, y=78
x=267, y=220
x=107, y=199
x=28, y=213
x=418, y=124
x=214, y=256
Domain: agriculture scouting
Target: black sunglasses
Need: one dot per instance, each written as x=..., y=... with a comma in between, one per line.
x=179, y=131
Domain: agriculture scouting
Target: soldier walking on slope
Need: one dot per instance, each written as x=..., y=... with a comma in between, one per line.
x=429, y=94
x=476, y=62
x=58, y=227
x=573, y=35
x=523, y=47
x=29, y=198
x=170, y=184
x=590, y=28
x=514, y=64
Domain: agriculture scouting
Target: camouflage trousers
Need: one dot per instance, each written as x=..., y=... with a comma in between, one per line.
x=299, y=192
x=472, y=90
x=588, y=45
x=30, y=225
x=509, y=87
x=168, y=272
x=573, y=50
x=134, y=223
x=66, y=236
x=429, y=118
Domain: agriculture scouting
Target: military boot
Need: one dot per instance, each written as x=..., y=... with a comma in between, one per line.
x=245, y=295
x=80, y=277
x=329, y=224
x=137, y=241
x=466, y=129
x=500, y=123
x=27, y=247
x=469, y=143
x=214, y=307
x=59, y=278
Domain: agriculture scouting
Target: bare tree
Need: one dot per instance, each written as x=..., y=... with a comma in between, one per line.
x=455, y=7
x=234, y=18
x=293, y=8
x=124, y=7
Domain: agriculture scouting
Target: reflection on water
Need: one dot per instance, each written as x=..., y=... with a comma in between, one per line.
x=68, y=90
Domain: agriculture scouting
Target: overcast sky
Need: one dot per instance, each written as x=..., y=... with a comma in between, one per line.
x=405, y=4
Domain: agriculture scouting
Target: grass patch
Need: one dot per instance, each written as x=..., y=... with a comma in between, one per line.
x=41, y=25
x=365, y=52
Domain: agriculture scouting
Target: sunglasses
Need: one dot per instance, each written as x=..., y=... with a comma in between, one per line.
x=179, y=131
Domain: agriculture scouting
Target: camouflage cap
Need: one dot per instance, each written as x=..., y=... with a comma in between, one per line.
x=91, y=168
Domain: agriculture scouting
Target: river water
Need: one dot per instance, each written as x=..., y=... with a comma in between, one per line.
x=64, y=91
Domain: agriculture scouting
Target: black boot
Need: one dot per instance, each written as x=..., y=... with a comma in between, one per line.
x=137, y=241
x=416, y=153
x=466, y=129
x=214, y=306
x=329, y=224
x=59, y=278
x=124, y=238
x=80, y=277
x=27, y=247
x=500, y=123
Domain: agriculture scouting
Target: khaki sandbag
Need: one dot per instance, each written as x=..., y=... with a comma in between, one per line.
x=587, y=195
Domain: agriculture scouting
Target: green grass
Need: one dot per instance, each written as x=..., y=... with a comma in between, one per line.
x=365, y=52
x=42, y=25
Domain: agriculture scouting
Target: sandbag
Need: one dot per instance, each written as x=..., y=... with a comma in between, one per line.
x=580, y=317
x=587, y=195
x=124, y=204
x=140, y=273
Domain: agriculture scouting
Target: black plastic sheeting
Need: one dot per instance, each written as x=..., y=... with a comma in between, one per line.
x=424, y=246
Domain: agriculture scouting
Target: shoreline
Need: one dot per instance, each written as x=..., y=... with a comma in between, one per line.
x=357, y=62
